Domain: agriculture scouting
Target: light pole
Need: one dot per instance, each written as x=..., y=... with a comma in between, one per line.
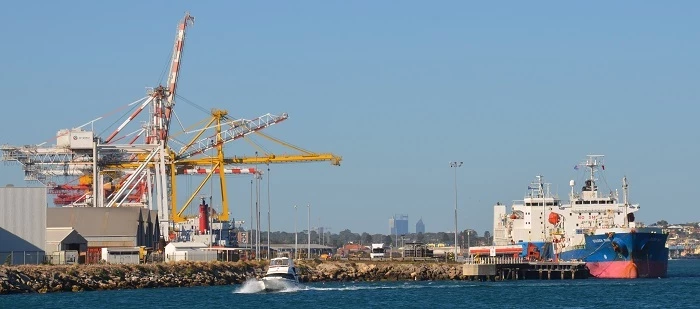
x=455, y=165
x=296, y=235
x=268, y=213
x=257, y=217
x=250, y=233
x=308, y=230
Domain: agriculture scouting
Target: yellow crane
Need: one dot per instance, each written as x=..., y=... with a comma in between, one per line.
x=187, y=160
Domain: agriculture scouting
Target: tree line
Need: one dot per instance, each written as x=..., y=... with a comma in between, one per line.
x=464, y=238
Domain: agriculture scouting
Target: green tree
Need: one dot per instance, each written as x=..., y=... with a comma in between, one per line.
x=366, y=238
x=443, y=237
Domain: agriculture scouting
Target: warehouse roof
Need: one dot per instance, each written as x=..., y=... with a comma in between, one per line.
x=102, y=221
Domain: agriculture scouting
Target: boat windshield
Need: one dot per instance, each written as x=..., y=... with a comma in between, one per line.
x=285, y=276
x=280, y=262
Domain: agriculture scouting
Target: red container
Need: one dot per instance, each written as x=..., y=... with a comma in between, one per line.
x=93, y=255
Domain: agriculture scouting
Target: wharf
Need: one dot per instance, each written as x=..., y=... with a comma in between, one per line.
x=508, y=268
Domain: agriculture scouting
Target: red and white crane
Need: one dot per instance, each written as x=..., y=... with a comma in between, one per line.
x=161, y=99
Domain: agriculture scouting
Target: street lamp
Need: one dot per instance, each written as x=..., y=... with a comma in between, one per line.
x=268, y=212
x=250, y=233
x=308, y=230
x=455, y=165
x=296, y=241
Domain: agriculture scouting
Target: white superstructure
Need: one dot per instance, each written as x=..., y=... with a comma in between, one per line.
x=590, y=210
x=527, y=218
x=541, y=216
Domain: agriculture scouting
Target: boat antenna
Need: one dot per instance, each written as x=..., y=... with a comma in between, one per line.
x=624, y=195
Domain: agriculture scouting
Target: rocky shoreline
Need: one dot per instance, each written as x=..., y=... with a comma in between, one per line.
x=77, y=278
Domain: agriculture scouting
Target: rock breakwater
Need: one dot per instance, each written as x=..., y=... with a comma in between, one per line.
x=76, y=278
x=378, y=271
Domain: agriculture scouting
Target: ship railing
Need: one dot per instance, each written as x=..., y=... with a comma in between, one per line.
x=492, y=260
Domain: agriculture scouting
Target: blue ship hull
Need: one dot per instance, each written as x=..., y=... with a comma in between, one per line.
x=629, y=254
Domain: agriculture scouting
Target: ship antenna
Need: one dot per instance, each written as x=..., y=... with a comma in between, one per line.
x=624, y=195
x=592, y=164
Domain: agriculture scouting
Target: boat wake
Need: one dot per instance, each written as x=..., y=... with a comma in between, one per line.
x=249, y=287
x=252, y=286
x=383, y=287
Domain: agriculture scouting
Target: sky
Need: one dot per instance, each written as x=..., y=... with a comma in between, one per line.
x=513, y=89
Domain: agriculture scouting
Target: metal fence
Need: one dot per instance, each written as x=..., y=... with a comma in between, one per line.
x=200, y=256
x=63, y=257
x=22, y=257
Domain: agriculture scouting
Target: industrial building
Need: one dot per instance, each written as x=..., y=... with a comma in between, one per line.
x=416, y=250
x=108, y=227
x=398, y=225
x=420, y=227
x=22, y=225
x=64, y=245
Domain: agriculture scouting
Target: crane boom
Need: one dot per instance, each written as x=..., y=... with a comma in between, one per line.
x=177, y=56
x=238, y=129
x=165, y=97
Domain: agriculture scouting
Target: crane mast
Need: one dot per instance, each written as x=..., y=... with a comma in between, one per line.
x=164, y=98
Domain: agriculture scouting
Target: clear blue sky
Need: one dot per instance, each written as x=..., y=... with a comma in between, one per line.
x=399, y=89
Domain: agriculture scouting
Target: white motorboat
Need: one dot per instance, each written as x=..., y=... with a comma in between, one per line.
x=281, y=275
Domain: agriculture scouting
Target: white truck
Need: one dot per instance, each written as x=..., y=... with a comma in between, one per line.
x=376, y=251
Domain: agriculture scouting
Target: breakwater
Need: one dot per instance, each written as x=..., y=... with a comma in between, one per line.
x=76, y=278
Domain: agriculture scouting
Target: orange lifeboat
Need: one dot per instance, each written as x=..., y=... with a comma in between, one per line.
x=553, y=218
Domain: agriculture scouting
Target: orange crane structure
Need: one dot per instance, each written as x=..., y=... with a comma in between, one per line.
x=143, y=172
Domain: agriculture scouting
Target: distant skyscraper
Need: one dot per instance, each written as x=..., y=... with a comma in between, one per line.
x=398, y=225
x=420, y=227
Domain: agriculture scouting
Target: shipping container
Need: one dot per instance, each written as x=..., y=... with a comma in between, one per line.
x=94, y=255
x=122, y=255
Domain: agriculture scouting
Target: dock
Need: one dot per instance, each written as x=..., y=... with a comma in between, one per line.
x=510, y=268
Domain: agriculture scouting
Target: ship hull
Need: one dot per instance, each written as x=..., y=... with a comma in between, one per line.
x=623, y=254
x=627, y=269
x=275, y=284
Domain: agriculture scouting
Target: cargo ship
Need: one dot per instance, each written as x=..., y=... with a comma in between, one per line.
x=595, y=228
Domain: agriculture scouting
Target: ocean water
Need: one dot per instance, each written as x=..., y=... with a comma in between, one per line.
x=681, y=289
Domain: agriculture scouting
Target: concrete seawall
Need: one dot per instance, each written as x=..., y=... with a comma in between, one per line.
x=52, y=278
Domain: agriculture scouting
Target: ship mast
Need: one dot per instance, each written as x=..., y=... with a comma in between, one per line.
x=592, y=164
x=624, y=195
